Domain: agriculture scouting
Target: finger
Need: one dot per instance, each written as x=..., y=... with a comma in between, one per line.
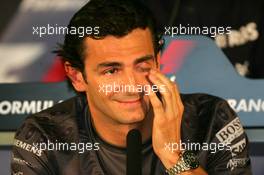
x=156, y=104
x=166, y=94
x=176, y=89
x=165, y=81
x=178, y=97
x=177, y=103
x=163, y=78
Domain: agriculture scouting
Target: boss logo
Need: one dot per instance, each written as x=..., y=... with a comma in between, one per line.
x=230, y=132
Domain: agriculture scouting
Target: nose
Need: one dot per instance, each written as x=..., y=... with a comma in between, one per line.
x=132, y=79
x=129, y=78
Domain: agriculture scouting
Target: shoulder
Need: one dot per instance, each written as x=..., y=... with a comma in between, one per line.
x=211, y=114
x=200, y=100
x=57, y=122
x=204, y=104
x=209, y=119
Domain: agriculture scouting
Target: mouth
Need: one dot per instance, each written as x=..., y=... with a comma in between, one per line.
x=130, y=103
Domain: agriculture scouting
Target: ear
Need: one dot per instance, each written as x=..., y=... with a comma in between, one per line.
x=158, y=60
x=76, y=77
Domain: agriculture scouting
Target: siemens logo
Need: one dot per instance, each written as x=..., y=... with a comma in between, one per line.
x=244, y=105
x=27, y=147
x=24, y=107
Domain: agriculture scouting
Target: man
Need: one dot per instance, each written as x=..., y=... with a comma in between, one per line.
x=117, y=72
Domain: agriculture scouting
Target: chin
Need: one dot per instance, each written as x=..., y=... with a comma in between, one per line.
x=130, y=118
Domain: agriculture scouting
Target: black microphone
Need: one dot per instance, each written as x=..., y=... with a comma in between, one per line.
x=134, y=158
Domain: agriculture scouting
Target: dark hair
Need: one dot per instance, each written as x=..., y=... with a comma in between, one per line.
x=113, y=17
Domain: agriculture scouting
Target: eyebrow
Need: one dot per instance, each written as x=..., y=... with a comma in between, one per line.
x=143, y=59
x=109, y=64
x=118, y=64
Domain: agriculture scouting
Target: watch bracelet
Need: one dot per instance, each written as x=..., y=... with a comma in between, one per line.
x=178, y=168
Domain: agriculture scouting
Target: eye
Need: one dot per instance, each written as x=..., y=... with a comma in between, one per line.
x=110, y=71
x=144, y=67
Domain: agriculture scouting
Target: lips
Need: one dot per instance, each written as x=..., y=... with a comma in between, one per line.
x=129, y=101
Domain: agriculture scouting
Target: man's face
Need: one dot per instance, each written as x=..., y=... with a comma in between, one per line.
x=112, y=63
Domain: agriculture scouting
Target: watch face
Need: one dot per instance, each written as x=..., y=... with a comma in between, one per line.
x=190, y=159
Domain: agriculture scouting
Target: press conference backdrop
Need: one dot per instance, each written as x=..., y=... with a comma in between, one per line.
x=32, y=77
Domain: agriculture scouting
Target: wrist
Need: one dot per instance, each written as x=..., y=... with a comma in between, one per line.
x=187, y=161
x=169, y=159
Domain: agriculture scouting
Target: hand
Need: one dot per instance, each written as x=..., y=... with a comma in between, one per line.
x=167, y=118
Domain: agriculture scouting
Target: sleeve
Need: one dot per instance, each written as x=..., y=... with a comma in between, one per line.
x=27, y=156
x=228, y=131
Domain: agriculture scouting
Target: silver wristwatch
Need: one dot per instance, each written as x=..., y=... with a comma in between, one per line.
x=187, y=161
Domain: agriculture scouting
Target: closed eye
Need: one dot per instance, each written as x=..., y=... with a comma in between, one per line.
x=144, y=67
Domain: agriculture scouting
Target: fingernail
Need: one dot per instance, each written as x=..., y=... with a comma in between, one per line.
x=151, y=76
x=153, y=71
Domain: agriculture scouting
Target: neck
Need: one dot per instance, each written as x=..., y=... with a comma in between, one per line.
x=115, y=133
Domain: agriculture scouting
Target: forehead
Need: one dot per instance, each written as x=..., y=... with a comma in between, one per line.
x=135, y=44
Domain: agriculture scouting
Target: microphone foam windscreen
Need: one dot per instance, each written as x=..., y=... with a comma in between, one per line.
x=134, y=158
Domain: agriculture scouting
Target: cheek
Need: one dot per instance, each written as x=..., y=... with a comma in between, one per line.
x=100, y=91
x=142, y=78
x=146, y=84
